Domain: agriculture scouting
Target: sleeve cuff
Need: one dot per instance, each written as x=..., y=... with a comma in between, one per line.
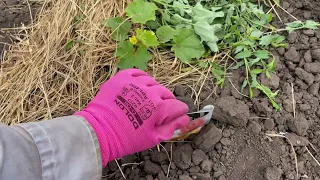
x=68, y=148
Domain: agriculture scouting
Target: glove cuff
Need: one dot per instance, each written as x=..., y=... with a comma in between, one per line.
x=105, y=151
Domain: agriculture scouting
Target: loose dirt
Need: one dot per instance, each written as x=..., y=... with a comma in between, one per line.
x=235, y=145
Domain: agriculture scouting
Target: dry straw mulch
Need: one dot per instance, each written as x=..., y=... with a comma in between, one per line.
x=40, y=79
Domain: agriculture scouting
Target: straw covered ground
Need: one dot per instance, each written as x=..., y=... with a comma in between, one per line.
x=40, y=79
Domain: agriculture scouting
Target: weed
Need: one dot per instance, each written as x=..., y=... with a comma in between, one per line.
x=196, y=29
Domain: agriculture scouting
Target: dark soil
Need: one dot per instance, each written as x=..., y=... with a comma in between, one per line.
x=235, y=146
x=13, y=13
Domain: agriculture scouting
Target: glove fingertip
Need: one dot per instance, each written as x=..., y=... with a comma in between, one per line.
x=181, y=121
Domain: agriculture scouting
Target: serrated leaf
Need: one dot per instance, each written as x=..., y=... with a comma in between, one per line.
x=141, y=11
x=263, y=54
x=119, y=28
x=243, y=54
x=148, y=38
x=187, y=45
x=165, y=33
x=130, y=58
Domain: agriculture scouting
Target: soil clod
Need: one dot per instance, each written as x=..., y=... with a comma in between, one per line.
x=208, y=137
x=231, y=111
x=273, y=173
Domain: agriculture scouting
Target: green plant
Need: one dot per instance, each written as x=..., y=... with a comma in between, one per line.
x=194, y=29
x=301, y=25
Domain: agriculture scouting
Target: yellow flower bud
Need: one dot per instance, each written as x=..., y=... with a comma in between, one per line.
x=133, y=40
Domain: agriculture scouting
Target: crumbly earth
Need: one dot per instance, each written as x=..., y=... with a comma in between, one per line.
x=235, y=145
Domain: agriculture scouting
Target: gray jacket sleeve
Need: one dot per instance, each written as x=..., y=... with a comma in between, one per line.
x=64, y=148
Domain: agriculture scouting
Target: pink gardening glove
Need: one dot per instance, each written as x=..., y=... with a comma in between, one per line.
x=132, y=113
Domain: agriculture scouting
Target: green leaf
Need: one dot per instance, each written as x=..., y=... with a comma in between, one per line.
x=256, y=71
x=207, y=33
x=266, y=40
x=311, y=24
x=130, y=58
x=294, y=25
x=187, y=45
x=254, y=81
x=203, y=64
x=148, y=38
x=119, y=27
x=238, y=49
x=238, y=65
x=177, y=19
x=275, y=105
x=263, y=54
x=165, y=33
x=271, y=66
x=69, y=45
x=181, y=7
x=141, y=11
x=271, y=95
x=244, y=84
x=268, y=74
x=277, y=41
x=152, y=25
x=253, y=61
x=216, y=70
x=256, y=34
x=243, y=54
x=199, y=12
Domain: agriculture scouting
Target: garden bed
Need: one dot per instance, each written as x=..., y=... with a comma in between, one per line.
x=246, y=138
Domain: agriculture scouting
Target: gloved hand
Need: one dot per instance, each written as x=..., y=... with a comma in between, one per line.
x=131, y=113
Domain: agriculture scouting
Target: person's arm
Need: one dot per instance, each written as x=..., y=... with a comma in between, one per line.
x=130, y=113
x=64, y=148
